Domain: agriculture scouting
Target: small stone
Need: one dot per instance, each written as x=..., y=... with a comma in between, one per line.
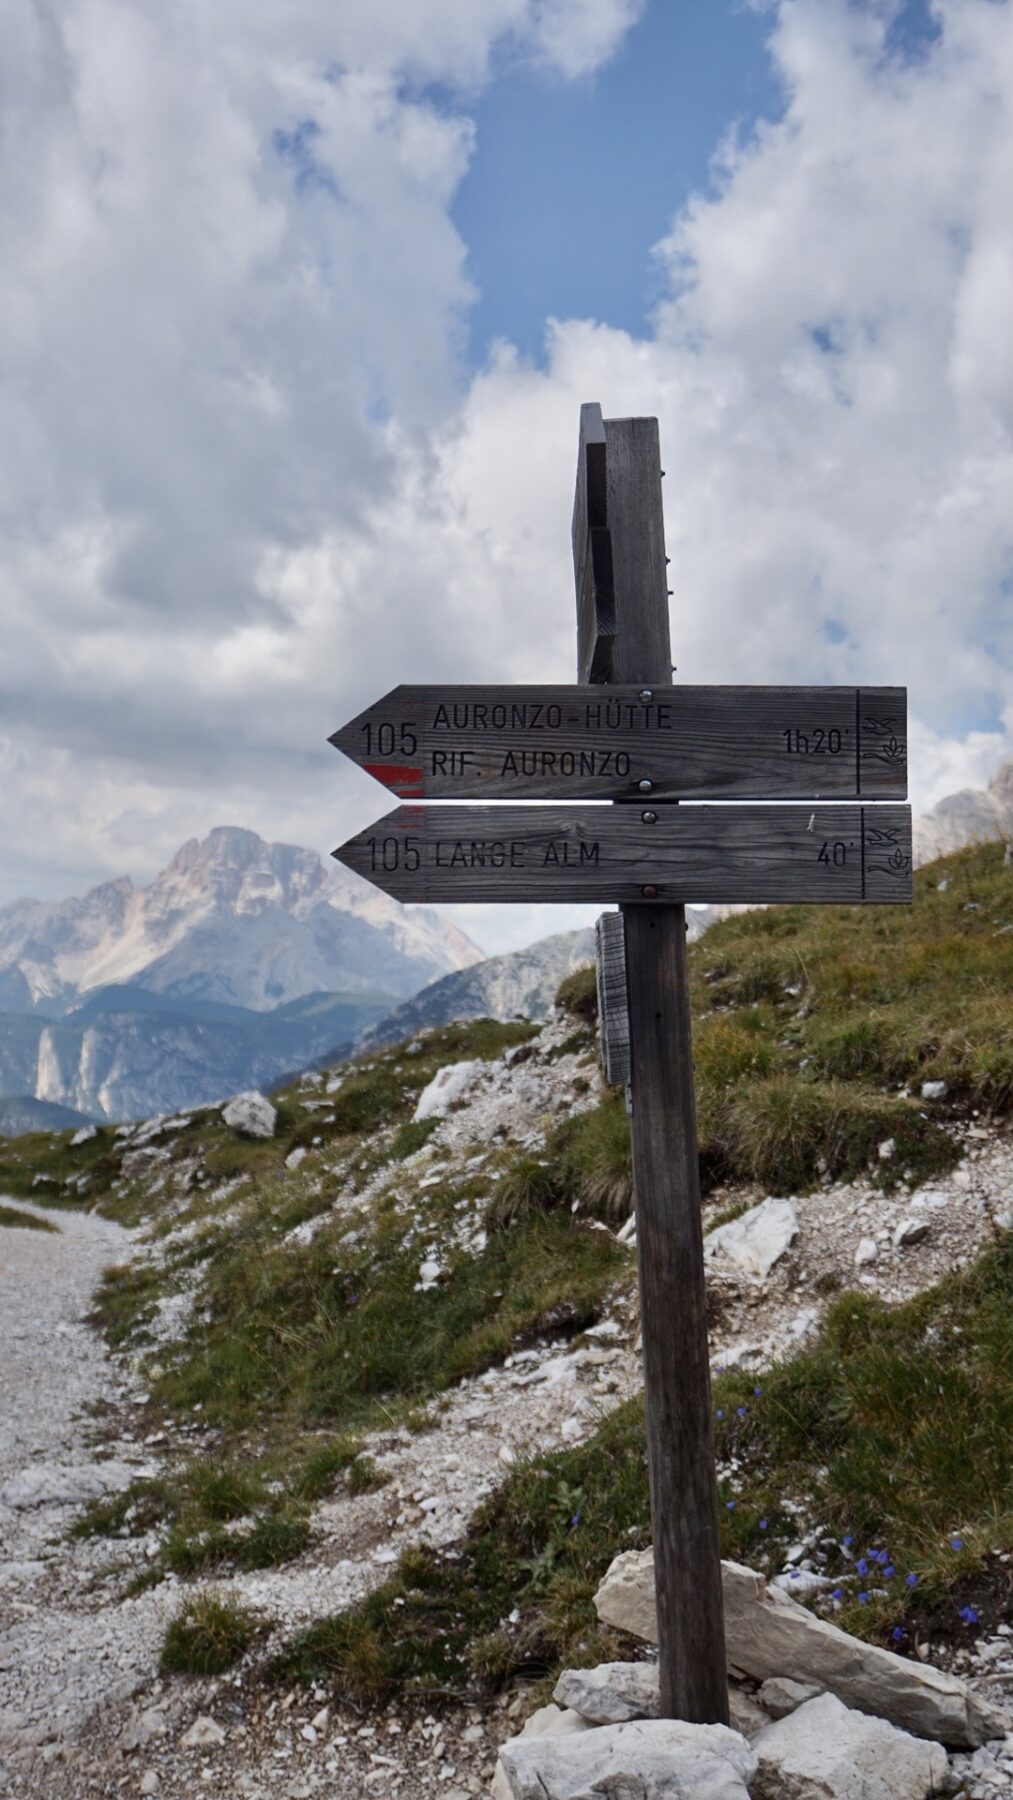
x=204, y=1734
x=448, y=1085
x=867, y=1252
x=149, y=1781
x=757, y=1240
x=611, y=1693
x=251, y=1115
x=745, y=1714
x=933, y=1090
x=779, y=1696
x=910, y=1231
x=887, y=1149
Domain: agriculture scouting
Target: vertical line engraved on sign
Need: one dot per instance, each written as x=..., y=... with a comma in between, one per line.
x=858, y=744
x=862, y=835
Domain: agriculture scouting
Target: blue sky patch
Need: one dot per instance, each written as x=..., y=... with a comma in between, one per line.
x=572, y=184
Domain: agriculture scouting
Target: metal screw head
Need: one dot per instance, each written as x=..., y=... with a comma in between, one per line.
x=649, y=892
x=646, y=694
x=645, y=786
x=649, y=818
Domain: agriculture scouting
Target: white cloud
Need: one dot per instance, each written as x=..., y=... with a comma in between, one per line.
x=246, y=488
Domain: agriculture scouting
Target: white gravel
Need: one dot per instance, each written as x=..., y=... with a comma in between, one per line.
x=59, y=1657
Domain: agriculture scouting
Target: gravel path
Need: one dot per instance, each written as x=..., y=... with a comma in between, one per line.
x=58, y=1656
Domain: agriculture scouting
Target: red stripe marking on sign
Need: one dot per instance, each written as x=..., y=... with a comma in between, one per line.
x=401, y=777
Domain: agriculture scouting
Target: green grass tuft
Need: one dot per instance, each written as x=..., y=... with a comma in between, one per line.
x=24, y=1221
x=577, y=994
x=208, y=1635
x=365, y=1476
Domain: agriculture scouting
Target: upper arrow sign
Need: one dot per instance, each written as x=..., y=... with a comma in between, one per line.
x=594, y=743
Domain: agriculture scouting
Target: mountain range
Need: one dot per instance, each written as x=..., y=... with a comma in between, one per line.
x=241, y=961
x=523, y=982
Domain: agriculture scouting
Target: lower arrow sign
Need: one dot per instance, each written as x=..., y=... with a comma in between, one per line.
x=842, y=854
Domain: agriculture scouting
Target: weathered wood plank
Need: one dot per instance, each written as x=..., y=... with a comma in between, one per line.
x=613, y=1011
x=666, y=1181
x=829, y=854
x=590, y=743
x=592, y=551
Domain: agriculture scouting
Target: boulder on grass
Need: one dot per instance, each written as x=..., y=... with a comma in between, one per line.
x=766, y=1634
x=448, y=1084
x=824, y=1751
x=251, y=1114
x=646, y=1759
x=755, y=1242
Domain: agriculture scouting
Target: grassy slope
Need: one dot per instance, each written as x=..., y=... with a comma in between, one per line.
x=894, y=1430
x=814, y=1029
x=297, y=1343
x=894, y=1434
x=810, y=1024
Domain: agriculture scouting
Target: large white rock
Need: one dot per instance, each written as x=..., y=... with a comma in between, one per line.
x=548, y=1721
x=251, y=1114
x=754, y=1242
x=823, y=1751
x=447, y=1085
x=767, y=1634
x=646, y=1759
x=611, y=1693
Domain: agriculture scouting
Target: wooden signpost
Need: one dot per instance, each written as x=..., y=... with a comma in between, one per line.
x=626, y=736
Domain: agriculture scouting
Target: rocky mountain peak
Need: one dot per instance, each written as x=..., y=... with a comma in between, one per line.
x=236, y=871
x=231, y=919
x=972, y=816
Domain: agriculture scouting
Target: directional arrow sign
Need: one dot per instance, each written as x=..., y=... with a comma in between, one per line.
x=594, y=743
x=627, y=853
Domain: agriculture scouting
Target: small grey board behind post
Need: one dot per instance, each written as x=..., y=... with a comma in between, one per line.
x=613, y=1011
x=593, y=743
x=592, y=551
x=825, y=854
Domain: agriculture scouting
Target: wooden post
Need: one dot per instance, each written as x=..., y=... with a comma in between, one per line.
x=673, y=1307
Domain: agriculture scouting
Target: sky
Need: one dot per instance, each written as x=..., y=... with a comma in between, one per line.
x=298, y=306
